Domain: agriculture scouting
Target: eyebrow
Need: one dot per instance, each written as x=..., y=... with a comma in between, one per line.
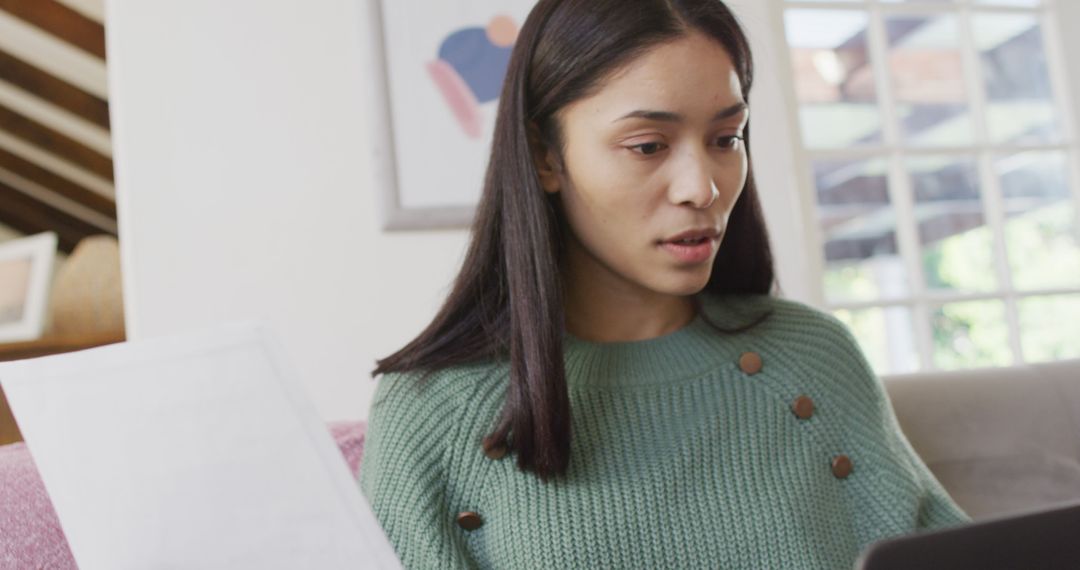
x=669, y=117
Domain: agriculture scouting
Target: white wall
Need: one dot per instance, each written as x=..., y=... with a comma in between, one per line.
x=244, y=189
x=773, y=144
x=242, y=168
x=1068, y=16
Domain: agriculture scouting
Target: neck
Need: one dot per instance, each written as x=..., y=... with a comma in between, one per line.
x=601, y=306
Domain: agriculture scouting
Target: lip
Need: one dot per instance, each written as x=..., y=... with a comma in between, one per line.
x=696, y=233
x=692, y=253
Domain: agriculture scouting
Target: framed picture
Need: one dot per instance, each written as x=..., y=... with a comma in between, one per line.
x=26, y=267
x=440, y=66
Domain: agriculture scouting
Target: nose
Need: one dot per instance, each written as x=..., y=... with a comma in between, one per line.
x=693, y=184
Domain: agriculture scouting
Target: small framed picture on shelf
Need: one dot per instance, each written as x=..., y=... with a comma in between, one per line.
x=26, y=268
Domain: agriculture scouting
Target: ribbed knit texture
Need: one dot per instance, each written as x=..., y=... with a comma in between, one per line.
x=679, y=459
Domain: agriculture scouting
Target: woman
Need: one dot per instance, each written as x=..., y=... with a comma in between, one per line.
x=610, y=383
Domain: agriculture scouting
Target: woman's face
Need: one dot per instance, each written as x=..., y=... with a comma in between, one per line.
x=654, y=163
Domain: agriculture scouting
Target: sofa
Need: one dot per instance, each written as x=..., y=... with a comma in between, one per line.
x=1000, y=441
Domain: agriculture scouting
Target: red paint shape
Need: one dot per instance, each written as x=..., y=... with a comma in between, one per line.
x=458, y=96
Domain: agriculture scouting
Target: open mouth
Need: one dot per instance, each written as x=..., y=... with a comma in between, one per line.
x=690, y=241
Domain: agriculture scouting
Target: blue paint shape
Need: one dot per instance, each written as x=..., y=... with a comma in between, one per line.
x=480, y=63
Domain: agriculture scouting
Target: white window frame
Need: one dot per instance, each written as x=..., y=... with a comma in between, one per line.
x=921, y=300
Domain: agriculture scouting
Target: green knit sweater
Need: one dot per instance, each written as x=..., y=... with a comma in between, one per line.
x=684, y=455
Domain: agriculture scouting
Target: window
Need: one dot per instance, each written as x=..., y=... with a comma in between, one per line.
x=940, y=152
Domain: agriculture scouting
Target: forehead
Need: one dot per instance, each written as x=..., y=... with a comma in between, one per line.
x=693, y=74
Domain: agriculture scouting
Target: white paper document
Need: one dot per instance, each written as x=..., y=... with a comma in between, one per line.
x=198, y=451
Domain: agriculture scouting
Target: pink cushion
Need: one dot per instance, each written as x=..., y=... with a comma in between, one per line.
x=30, y=534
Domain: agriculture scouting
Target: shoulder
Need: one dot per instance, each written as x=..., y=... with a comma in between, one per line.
x=418, y=392
x=802, y=341
x=776, y=317
x=410, y=424
x=795, y=320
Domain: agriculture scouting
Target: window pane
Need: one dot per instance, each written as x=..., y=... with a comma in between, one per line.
x=928, y=80
x=1050, y=327
x=1010, y=2
x=971, y=334
x=1040, y=227
x=859, y=226
x=885, y=337
x=1020, y=106
x=833, y=77
x=919, y=1
x=957, y=245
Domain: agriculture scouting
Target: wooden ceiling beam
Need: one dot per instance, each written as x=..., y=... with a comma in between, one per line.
x=57, y=143
x=54, y=90
x=61, y=21
x=30, y=216
x=62, y=186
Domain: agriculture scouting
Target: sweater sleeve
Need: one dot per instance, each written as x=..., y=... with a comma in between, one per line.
x=936, y=509
x=403, y=474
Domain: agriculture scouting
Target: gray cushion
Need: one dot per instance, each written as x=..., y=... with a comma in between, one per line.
x=1001, y=441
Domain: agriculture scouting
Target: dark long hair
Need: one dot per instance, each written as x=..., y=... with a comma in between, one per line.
x=506, y=303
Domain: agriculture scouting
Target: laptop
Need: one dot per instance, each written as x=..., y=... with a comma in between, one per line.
x=195, y=451
x=1047, y=539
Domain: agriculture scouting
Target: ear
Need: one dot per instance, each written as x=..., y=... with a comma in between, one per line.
x=547, y=163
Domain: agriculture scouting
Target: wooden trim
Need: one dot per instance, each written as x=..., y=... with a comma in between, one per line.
x=30, y=216
x=53, y=182
x=55, y=345
x=9, y=430
x=54, y=90
x=57, y=143
x=60, y=21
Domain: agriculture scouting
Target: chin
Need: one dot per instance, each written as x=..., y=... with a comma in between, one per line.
x=685, y=284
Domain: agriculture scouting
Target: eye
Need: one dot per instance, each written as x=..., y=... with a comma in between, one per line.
x=730, y=142
x=649, y=148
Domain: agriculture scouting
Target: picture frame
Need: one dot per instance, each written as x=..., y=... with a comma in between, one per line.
x=26, y=270
x=434, y=104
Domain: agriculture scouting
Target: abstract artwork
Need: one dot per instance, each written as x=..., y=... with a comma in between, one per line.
x=443, y=67
x=470, y=68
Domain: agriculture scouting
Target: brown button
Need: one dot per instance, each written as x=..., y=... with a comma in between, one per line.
x=841, y=466
x=469, y=520
x=750, y=363
x=496, y=452
x=803, y=407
